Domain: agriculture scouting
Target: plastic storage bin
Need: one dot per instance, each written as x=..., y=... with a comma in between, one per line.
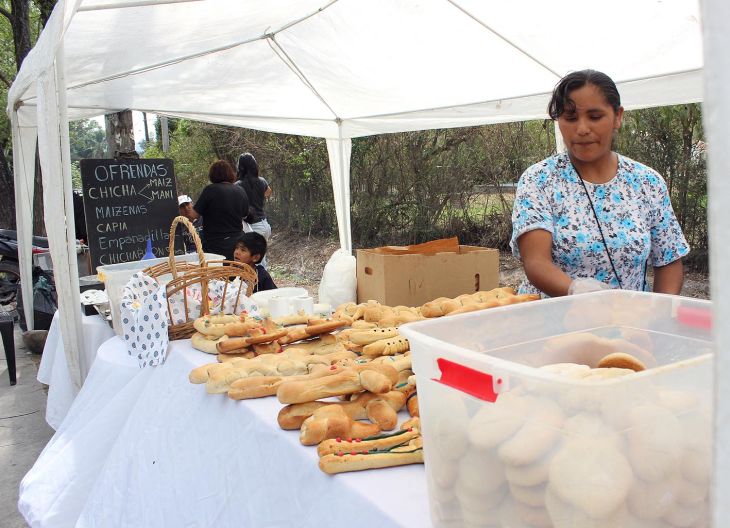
x=511, y=442
x=116, y=276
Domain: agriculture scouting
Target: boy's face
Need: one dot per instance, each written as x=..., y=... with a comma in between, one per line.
x=186, y=210
x=242, y=254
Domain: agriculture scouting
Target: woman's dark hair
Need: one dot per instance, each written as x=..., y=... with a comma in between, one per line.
x=561, y=101
x=221, y=171
x=247, y=166
x=254, y=242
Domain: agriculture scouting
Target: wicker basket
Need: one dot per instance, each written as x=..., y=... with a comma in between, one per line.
x=185, y=274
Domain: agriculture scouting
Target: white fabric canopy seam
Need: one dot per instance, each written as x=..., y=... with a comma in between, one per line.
x=287, y=60
x=497, y=101
x=141, y=3
x=505, y=39
x=203, y=53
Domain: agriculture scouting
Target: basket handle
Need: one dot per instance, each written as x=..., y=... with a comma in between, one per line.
x=196, y=238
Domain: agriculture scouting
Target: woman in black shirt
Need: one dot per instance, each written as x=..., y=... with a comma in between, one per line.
x=257, y=189
x=223, y=207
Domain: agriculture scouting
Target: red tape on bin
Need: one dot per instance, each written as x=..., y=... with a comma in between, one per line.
x=697, y=317
x=468, y=380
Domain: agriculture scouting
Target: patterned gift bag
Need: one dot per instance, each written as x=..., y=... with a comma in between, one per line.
x=245, y=305
x=194, y=295
x=144, y=320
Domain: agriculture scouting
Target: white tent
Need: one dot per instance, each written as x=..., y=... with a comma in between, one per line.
x=336, y=69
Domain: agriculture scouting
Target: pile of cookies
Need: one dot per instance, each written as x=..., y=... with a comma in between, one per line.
x=585, y=447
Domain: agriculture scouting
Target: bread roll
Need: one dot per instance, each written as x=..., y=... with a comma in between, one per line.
x=377, y=378
x=368, y=444
x=333, y=423
x=332, y=464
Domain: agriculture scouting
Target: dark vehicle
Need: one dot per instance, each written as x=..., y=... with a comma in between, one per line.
x=10, y=270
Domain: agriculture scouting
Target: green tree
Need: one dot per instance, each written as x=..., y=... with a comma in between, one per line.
x=191, y=152
x=20, y=25
x=415, y=186
x=671, y=141
x=87, y=140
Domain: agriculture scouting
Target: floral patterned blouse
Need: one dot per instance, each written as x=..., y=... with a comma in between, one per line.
x=633, y=208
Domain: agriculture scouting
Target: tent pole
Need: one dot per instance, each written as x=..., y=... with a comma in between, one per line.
x=559, y=142
x=716, y=118
x=164, y=127
x=345, y=189
x=337, y=150
x=23, y=176
x=73, y=356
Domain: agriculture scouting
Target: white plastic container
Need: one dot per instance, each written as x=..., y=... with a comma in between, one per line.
x=510, y=444
x=263, y=298
x=116, y=276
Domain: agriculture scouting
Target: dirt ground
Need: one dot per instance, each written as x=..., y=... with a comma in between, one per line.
x=299, y=261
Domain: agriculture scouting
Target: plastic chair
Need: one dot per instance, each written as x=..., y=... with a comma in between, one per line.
x=6, y=329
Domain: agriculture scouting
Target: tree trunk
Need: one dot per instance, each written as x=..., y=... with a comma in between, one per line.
x=18, y=16
x=120, y=135
x=146, y=130
x=45, y=7
x=7, y=210
x=20, y=23
x=39, y=225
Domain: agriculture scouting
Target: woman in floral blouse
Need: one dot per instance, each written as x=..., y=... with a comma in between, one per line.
x=589, y=218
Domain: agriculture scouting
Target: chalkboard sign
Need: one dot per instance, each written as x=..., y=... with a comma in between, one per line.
x=127, y=201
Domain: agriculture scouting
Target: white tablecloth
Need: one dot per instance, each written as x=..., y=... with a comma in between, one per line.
x=53, y=370
x=145, y=448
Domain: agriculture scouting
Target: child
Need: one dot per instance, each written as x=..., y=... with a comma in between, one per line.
x=250, y=249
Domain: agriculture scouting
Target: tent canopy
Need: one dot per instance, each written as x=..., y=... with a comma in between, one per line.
x=308, y=66
x=336, y=69
x=346, y=68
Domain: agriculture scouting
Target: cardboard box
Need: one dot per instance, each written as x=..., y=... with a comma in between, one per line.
x=408, y=277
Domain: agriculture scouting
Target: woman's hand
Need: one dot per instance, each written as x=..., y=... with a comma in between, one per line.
x=669, y=278
x=536, y=251
x=586, y=285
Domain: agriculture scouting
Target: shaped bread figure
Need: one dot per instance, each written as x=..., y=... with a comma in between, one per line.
x=332, y=422
x=380, y=409
x=206, y=343
x=444, y=305
x=397, y=449
x=378, y=378
x=256, y=338
x=305, y=332
x=246, y=353
x=322, y=344
x=262, y=386
x=202, y=373
x=230, y=325
x=218, y=377
x=387, y=347
x=382, y=442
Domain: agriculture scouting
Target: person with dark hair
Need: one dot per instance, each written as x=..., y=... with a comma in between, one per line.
x=589, y=218
x=258, y=190
x=79, y=216
x=223, y=207
x=251, y=249
x=185, y=208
